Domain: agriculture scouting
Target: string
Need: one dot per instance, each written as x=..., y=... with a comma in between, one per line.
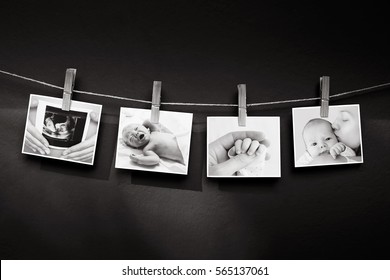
x=342, y=94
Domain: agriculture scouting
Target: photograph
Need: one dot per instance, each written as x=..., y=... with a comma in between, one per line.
x=156, y=147
x=248, y=151
x=63, y=129
x=64, y=135
x=334, y=140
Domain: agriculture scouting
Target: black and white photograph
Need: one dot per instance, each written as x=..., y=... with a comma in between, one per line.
x=65, y=135
x=63, y=129
x=248, y=151
x=157, y=147
x=334, y=140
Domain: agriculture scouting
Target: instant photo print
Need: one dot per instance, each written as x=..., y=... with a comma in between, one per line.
x=51, y=131
x=249, y=151
x=163, y=147
x=334, y=140
x=62, y=129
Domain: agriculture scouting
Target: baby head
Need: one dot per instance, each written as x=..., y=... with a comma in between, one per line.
x=318, y=136
x=135, y=135
x=67, y=126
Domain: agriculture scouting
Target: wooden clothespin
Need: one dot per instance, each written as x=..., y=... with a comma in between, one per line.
x=156, y=101
x=241, y=104
x=70, y=77
x=324, y=88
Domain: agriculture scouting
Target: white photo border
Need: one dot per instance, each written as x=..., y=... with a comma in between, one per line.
x=316, y=110
x=240, y=128
x=40, y=118
x=75, y=106
x=163, y=114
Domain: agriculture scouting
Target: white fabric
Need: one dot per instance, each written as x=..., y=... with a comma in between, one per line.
x=306, y=158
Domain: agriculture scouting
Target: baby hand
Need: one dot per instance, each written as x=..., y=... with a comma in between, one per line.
x=247, y=150
x=135, y=158
x=149, y=158
x=246, y=146
x=337, y=149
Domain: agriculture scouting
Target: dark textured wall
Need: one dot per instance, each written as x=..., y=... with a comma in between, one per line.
x=200, y=50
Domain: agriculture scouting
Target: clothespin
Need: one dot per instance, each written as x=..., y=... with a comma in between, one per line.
x=156, y=101
x=324, y=88
x=70, y=77
x=241, y=104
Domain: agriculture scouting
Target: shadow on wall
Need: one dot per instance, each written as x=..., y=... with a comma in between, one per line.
x=103, y=157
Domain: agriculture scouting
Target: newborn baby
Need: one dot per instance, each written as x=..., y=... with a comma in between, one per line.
x=155, y=141
x=320, y=139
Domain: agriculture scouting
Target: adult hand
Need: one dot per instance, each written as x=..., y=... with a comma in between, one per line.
x=83, y=151
x=33, y=139
x=248, y=145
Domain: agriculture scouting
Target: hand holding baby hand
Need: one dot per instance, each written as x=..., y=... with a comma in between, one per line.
x=337, y=149
x=247, y=146
x=248, y=150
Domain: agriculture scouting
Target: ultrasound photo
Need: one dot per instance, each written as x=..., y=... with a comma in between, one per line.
x=63, y=128
x=63, y=135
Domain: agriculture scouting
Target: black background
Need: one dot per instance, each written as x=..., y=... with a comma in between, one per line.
x=200, y=50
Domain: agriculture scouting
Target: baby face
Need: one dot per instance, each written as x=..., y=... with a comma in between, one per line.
x=136, y=135
x=319, y=137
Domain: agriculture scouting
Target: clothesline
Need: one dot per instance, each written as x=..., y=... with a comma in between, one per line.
x=342, y=94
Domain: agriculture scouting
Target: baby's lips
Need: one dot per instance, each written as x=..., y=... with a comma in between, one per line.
x=141, y=136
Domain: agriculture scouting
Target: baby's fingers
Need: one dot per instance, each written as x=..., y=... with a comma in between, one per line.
x=336, y=150
x=262, y=152
x=134, y=158
x=237, y=145
x=253, y=147
x=245, y=145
